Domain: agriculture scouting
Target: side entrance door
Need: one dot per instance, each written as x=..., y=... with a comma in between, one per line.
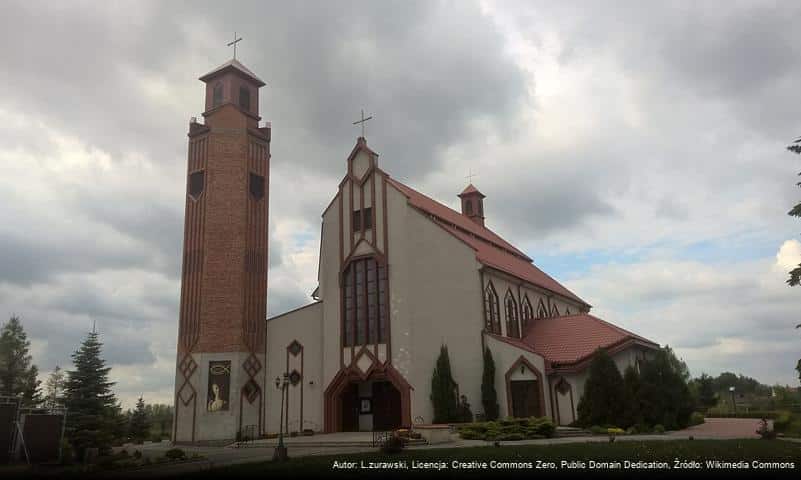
x=525, y=398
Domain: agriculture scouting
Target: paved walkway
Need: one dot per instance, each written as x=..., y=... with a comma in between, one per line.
x=354, y=442
x=723, y=428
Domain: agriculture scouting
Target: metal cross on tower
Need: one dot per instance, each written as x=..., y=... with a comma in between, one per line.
x=470, y=176
x=236, y=40
x=362, y=122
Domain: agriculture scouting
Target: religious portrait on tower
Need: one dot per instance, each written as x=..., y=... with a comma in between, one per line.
x=219, y=386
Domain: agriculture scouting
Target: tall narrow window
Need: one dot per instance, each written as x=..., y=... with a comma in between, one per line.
x=350, y=305
x=357, y=220
x=217, y=95
x=365, y=304
x=512, y=325
x=244, y=98
x=372, y=301
x=368, y=218
x=492, y=309
x=257, y=186
x=527, y=313
x=542, y=312
x=196, y=183
x=468, y=207
x=554, y=310
x=361, y=314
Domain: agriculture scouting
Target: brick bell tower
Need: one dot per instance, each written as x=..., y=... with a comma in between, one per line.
x=220, y=374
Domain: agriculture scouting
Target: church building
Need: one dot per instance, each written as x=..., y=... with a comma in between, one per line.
x=400, y=275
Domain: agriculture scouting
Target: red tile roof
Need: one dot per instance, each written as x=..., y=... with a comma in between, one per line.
x=572, y=338
x=491, y=249
x=470, y=189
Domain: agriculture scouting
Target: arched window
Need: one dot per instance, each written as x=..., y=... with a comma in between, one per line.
x=492, y=309
x=364, y=293
x=542, y=312
x=554, y=310
x=527, y=313
x=217, y=95
x=244, y=98
x=512, y=325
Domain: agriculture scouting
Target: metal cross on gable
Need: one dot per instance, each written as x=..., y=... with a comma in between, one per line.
x=470, y=176
x=363, y=121
x=236, y=40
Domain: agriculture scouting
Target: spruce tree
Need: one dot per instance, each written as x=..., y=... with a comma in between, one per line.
x=664, y=394
x=140, y=423
x=602, y=402
x=632, y=409
x=443, y=389
x=18, y=377
x=93, y=413
x=489, y=397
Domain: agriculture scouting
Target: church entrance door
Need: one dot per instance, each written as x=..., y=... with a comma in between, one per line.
x=386, y=406
x=350, y=408
x=525, y=398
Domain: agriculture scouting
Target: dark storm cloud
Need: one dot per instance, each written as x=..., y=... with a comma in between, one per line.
x=743, y=55
x=26, y=261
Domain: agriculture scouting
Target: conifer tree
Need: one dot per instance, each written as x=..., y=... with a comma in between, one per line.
x=489, y=397
x=664, y=394
x=443, y=389
x=140, y=423
x=93, y=413
x=18, y=376
x=602, y=402
x=632, y=409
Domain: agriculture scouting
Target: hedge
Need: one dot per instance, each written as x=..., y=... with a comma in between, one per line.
x=509, y=429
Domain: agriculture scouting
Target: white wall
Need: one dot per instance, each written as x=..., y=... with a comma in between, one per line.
x=435, y=299
x=505, y=356
x=305, y=326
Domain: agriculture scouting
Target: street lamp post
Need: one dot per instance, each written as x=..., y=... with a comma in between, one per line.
x=280, y=452
x=733, y=400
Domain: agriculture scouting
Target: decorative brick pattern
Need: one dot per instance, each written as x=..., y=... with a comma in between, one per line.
x=252, y=365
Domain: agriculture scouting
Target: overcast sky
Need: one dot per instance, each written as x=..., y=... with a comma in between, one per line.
x=635, y=150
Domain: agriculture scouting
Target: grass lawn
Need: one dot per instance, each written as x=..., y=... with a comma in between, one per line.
x=665, y=451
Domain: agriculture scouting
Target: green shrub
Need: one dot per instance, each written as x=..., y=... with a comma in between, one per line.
x=526, y=428
x=658, y=428
x=393, y=444
x=511, y=437
x=781, y=421
x=597, y=430
x=156, y=438
x=697, y=418
x=175, y=454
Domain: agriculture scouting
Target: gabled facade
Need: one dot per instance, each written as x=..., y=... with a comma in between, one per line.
x=400, y=275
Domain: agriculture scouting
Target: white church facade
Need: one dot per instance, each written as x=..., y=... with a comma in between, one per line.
x=400, y=275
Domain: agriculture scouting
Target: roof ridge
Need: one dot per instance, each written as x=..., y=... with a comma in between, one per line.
x=516, y=252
